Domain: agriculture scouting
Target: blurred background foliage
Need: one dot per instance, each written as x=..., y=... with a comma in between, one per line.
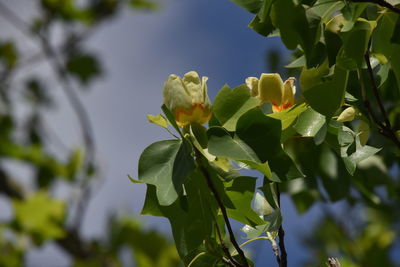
x=59, y=29
x=363, y=233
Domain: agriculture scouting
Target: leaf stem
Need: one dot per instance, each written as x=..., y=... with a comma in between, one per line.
x=255, y=239
x=211, y=186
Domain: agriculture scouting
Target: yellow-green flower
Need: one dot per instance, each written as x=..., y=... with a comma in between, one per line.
x=271, y=88
x=187, y=98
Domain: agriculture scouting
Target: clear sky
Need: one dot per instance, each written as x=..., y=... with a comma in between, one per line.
x=139, y=51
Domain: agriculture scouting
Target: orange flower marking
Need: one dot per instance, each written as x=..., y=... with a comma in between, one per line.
x=197, y=114
x=271, y=88
x=187, y=98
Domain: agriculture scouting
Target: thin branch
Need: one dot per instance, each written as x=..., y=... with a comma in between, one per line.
x=333, y=262
x=281, y=234
x=223, y=210
x=224, y=247
x=382, y=3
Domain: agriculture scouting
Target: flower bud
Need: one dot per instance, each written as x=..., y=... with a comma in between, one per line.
x=348, y=114
x=271, y=88
x=187, y=98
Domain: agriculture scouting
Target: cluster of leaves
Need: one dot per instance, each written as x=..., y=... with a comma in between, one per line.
x=27, y=141
x=346, y=55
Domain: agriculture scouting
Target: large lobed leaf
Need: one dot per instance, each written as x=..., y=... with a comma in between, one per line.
x=166, y=164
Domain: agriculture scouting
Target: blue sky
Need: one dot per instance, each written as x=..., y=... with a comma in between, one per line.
x=139, y=51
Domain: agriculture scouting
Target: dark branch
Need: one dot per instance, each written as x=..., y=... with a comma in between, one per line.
x=223, y=210
x=230, y=259
x=382, y=3
x=281, y=234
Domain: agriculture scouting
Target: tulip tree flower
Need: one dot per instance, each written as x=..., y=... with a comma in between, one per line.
x=271, y=88
x=187, y=98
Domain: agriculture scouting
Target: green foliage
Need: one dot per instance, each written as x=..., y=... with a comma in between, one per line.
x=84, y=67
x=40, y=216
x=347, y=56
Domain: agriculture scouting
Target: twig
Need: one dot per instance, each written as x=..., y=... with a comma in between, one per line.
x=222, y=207
x=231, y=261
x=333, y=262
x=382, y=3
x=281, y=234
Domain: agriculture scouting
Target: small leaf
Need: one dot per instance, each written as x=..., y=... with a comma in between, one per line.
x=144, y=4
x=85, y=67
x=309, y=123
x=158, y=120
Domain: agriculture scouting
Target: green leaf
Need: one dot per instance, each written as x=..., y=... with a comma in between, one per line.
x=158, y=120
x=85, y=67
x=144, y=4
x=292, y=23
x=262, y=134
x=192, y=217
x=328, y=97
x=382, y=35
x=8, y=54
x=40, y=215
x=352, y=11
x=171, y=119
x=326, y=8
x=361, y=153
x=262, y=23
x=166, y=164
x=313, y=76
x=355, y=44
x=396, y=62
x=297, y=63
x=296, y=26
x=224, y=145
x=229, y=105
x=273, y=222
x=309, y=123
x=396, y=32
x=264, y=28
x=288, y=118
x=240, y=192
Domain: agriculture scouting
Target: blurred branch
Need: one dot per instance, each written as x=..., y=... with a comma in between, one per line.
x=382, y=3
x=66, y=85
